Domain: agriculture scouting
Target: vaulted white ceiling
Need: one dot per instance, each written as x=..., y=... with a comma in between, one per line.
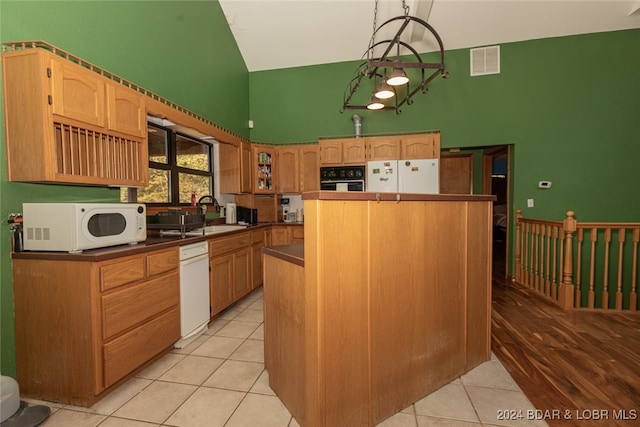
x=274, y=34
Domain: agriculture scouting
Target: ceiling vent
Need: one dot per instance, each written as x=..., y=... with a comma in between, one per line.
x=485, y=60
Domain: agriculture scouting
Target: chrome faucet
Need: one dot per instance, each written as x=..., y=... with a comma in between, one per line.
x=202, y=209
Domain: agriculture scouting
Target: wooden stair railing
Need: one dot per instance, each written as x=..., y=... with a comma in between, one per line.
x=552, y=260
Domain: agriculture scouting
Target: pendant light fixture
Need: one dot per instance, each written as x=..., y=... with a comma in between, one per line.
x=385, y=91
x=398, y=77
x=390, y=67
x=375, y=104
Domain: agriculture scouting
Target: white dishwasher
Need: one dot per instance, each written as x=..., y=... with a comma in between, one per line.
x=194, y=292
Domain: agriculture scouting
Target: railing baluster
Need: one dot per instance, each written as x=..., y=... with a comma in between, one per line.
x=633, y=297
x=547, y=281
x=518, y=245
x=592, y=267
x=578, y=294
x=605, y=283
x=621, y=236
x=554, y=269
x=565, y=297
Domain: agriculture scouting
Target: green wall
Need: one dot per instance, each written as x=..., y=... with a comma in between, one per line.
x=181, y=50
x=568, y=105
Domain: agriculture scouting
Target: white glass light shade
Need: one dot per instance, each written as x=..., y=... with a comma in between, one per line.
x=385, y=91
x=397, y=77
x=375, y=104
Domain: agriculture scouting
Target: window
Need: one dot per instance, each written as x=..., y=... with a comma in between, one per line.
x=179, y=165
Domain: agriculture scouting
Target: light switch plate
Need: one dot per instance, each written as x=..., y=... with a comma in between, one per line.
x=529, y=203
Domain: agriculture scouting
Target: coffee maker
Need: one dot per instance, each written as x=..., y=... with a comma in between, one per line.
x=284, y=208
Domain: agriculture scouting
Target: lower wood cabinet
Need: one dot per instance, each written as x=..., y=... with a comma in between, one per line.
x=257, y=243
x=230, y=270
x=83, y=326
x=286, y=235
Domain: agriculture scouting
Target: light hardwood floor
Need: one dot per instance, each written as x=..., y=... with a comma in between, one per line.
x=583, y=362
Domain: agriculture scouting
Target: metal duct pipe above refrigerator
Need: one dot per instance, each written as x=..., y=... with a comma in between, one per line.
x=357, y=124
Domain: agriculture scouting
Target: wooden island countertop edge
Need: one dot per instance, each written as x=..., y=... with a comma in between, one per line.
x=293, y=253
x=395, y=197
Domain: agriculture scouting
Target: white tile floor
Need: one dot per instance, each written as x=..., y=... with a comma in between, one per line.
x=219, y=380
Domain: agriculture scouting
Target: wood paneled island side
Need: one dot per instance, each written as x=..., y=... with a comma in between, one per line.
x=388, y=300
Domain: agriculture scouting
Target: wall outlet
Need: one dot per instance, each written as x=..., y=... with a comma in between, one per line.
x=529, y=203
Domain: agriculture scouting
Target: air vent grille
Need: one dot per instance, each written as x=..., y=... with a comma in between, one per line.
x=485, y=60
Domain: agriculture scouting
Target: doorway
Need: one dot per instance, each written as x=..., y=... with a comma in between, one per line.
x=492, y=175
x=496, y=181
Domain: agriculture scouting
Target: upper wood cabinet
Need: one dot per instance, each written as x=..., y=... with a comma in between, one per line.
x=298, y=168
x=342, y=151
x=309, y=173
x=362, y=150
x=77, y=93
x=384, y=148
x=264, y=171
x=126, y=112
x=330, y=151
x=68, y=124
x=354, y=151
x=288, y=170
x=420, y=146
x=235, y=168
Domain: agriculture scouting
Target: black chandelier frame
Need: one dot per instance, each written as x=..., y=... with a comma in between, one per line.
x=375, y=68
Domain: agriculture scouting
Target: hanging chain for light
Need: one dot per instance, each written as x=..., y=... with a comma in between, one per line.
x=373, y=34
x=406, y=8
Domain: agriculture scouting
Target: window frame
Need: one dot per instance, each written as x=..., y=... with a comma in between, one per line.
x=175, y=170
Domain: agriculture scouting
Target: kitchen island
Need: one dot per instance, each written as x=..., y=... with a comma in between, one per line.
x=388, y=300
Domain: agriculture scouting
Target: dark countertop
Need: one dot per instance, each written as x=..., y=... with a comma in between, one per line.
x=293, y=253
x=395, y=197
x=154, y=242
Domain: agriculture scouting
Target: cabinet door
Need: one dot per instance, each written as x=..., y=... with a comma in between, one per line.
x=288, y=170
x=245, y=167
x=420, y=146
x=230, y=168
x=242, y=273
x=264, y=171
x=330, y=151
x=125, y=111
x=221, y=283
x=384, y=148
x=77, y=93
x=256, y=265
x=354, y=152
x=280, y=236
x=297, y=234
x=309, y=168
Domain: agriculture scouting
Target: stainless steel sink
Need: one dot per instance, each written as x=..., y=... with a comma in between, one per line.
x=204, y=231
x=215, y=229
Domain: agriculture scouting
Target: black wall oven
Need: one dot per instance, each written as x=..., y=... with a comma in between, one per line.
x=343, y=178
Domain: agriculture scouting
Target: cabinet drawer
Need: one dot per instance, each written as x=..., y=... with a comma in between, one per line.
x=257, y=236
x=162, y=261
x=122, y=272
x=130, y=306
x=228, y=244
x=131, y=350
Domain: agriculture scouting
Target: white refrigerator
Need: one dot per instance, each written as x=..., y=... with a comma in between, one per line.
x=404, y=176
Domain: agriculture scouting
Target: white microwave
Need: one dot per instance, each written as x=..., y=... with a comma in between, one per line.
x=74, y=227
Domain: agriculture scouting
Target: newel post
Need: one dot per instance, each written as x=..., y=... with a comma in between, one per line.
x=518, y=243
x=565, y=293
